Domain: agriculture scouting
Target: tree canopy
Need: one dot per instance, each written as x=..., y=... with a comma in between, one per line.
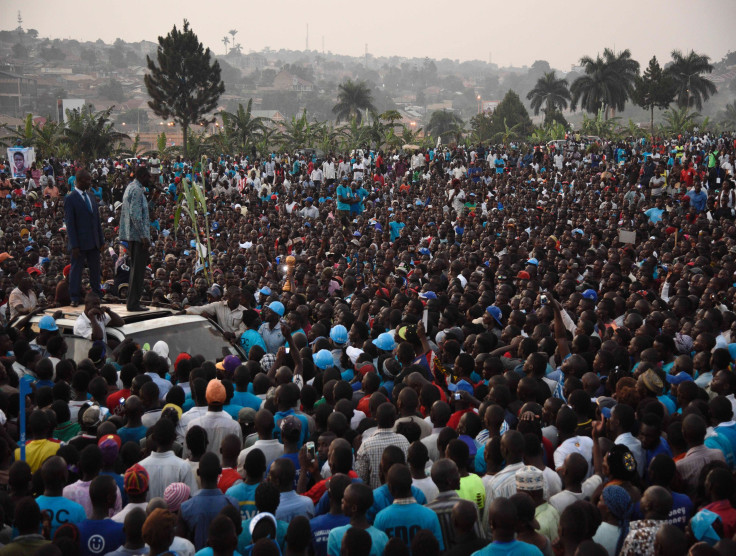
x=183, y=82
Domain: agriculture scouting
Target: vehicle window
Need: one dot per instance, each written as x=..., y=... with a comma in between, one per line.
x=78, y=347
x=195, y=338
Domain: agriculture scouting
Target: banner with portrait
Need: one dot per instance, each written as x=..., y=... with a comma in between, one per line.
x=20, y=160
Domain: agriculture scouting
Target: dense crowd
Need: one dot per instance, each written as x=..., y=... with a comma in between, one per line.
x=513, y=349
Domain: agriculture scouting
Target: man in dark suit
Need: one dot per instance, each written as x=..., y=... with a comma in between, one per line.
x=82, y=219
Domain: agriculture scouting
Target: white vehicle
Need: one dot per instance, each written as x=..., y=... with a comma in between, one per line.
x=192, y=334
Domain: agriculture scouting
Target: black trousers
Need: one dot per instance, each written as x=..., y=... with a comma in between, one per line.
x=138, y=262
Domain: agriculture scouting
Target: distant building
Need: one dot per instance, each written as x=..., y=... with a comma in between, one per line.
x=274, y=115
x=286, y=81
x=17, y=94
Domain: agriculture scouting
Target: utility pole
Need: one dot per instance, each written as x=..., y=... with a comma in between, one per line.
x=323, y=45
x=366, y=55
x=307, y=41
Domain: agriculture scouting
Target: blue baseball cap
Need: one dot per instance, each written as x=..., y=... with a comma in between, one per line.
x=495, y=312
x=461, y=386
x=47, y=322
x=679, y=378
x=265, y=290
x=323, y=359
x=277, y=307
x=428, y=295
x=309, y=199
x=533, y=261
x=590, y=294
x=339, y=334
x=384, y=342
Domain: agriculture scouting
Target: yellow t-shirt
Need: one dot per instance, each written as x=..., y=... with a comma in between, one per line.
x=471, y=488
x=38, y=451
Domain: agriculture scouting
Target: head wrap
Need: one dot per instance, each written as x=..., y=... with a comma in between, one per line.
x=619, y=503
x=175, y=495
x=621, y=463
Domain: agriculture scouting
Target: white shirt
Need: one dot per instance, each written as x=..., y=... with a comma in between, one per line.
x=83, y=326
x=272, y=449
x=427, y=486
x=328, y=170
x=218, y=425
x=583, y=445
x=165, y=468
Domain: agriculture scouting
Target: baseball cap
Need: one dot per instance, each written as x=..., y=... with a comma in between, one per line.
x=679, y=378
x=523, y=275
x=215, y=392
x=5, y=256
x=427, y=295
x=590, y=294
x=533, y=261
x=215, y=291
x=135, y=480
x=495, y=312
x=247, y=415
x=309, y=199
x=229, y=364
x=259, y=517
x=461, y=386
x=109, y=446
x=385, y=342
x=277, y=307
x=174, y=407
x=323, y=359
x=265, y=291
x=91, y=416
x=339, y=334
x=47, y=322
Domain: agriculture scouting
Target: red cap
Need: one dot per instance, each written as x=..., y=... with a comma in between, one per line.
x=523, y=275
x=67, y=270
x=33, y=270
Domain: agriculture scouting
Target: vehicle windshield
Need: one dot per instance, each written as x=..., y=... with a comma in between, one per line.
x=195, y=338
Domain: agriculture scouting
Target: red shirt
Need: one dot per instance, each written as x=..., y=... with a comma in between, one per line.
x=364, y=405
x=316, y=492
x=228, y=478
x=728, y=516
x=455, y=418
x=113, y=400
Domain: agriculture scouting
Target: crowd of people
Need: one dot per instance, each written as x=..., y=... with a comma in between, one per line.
x=506, y=350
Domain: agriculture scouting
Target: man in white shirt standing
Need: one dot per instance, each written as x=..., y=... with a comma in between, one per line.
x=217, y=423
x=328, y=171
x=163, y=466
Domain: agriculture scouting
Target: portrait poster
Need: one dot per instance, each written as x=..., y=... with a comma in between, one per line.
x=20, y=160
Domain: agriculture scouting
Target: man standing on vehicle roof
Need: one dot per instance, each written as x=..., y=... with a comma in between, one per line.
x=135, y=228
x=83, y=228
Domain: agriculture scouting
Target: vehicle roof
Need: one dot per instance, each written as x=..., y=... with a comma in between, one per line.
x=134, y=321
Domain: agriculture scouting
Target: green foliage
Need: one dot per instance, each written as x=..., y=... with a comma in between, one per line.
x=243, y=127
x=549, y=132
x=183, y=82
x=654, y=89
x=352, y=99
x=603, y=127
x=608, y=82
x=112, y=90
x=686, y=71
x=550, y=92
x=510, y=118
x=728, y=116
x=680, y=120
x=445, y=125
x=192, y=203
x=91, y=135
x=480, y=124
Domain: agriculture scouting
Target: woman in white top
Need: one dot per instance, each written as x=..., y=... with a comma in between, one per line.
x=615, y=506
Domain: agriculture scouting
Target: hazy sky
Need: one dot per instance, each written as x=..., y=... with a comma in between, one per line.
x=512, y=32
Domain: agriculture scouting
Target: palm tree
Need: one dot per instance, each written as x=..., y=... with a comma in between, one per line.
x=225, y=41
x=233, y=32
x=551, y=92
x=608, y=82
x=443, y=123
x=243, y=126
x=238, y=48
x=728, y=117
x=91, y=135
x=680, y=120
x=352, y=98
x=687, y=74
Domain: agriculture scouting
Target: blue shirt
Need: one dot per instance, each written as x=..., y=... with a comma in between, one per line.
x=697, y=200
x=246, y=399
x=379, y=540
x=725, y=441
x=661, y=448
x=209, y=552
x=62, y=511
x=395, y=228
x=405, y=520
x=343, y=191
x=100, y=536
x=251, y=338
x=279, y=415
x=382, y=499
x=134, y=434
x=654, y=214
x=292, y=504
x=246, y=496
x=199, y=511
x=513, y=548
x=321, y=527
x=245, y=540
